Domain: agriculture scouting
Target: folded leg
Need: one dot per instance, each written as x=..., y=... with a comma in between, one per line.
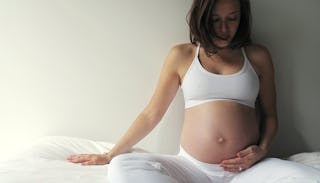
x=155, y=168
x=273, y=170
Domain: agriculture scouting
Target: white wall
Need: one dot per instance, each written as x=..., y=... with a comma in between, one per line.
x=83, y=68
x=87, y=68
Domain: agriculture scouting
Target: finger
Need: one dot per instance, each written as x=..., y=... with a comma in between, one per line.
x=244, y=153
x=80, y=159
x=233, y=161
x=231, y=166
x=250, y=150
x=72, y=156
x=76, y=156
x=90, y=162
x=87, y=163
x=234, y=170
x=238, y=168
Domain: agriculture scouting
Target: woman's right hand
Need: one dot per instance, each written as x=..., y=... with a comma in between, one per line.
x=90, y=159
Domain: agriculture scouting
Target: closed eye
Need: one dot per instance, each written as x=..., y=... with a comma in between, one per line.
x=233, y=18
x=215, y=20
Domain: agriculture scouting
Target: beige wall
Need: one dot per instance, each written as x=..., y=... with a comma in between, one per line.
x=87, y=68
x=290, y=29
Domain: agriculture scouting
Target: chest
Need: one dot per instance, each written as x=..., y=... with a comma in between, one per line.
x=224, y=64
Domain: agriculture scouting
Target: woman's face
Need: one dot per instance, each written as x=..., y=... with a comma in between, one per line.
x=226, y=19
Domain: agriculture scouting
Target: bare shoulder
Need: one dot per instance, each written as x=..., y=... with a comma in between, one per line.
x=260, y=58
x=182, y=52
x=181, y=57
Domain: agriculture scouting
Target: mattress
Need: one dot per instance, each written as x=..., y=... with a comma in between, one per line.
x=45, y=161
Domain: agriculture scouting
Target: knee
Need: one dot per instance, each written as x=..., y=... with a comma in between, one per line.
x=119, y=167
x=119, y=161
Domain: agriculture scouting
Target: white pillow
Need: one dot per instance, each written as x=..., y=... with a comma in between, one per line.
x=61, y=147
x=308, y=158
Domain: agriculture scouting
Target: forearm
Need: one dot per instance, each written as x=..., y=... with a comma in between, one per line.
x=268, y=132
x=141, y=127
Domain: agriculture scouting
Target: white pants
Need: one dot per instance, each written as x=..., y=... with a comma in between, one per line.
x=182, y=168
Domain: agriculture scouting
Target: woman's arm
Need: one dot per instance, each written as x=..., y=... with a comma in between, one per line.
x=267, y=97
x=166, y=90
x=261, y=59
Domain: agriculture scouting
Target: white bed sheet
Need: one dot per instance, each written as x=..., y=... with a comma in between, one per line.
x=39, y=170
x=45, y=161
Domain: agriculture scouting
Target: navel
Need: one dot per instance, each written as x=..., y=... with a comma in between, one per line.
x=221, y=140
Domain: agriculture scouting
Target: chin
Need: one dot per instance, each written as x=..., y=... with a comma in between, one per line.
x=222, y=44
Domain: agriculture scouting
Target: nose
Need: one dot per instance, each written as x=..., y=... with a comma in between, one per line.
x=224, y=27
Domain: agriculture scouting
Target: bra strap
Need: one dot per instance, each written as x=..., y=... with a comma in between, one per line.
x=244, y=54
x=198, y=49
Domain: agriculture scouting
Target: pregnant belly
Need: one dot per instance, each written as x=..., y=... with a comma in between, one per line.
x=216, y=131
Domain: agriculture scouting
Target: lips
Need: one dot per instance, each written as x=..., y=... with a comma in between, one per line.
x=224, y=37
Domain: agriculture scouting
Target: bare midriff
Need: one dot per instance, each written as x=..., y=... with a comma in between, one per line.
x=217, y=130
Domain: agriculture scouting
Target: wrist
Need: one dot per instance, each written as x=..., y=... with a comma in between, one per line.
x=108, y=155
x=263, y=146
x=106, y=158
x=264, y=149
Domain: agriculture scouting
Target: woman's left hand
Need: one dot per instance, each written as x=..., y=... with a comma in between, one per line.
x=244, y=159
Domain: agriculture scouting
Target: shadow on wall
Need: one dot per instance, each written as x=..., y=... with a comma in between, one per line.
x=170, y=128
x=279, y=32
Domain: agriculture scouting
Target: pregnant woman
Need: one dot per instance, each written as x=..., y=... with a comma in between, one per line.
x=222, y=75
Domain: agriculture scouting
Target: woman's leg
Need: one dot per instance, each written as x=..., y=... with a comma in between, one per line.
x=273, y=170
x=147, y=167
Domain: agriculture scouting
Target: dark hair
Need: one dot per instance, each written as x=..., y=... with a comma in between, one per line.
x=201, y=25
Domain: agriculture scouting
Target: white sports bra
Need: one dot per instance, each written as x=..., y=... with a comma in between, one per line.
x=200, y=86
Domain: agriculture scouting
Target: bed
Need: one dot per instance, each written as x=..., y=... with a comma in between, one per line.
x=45, y=161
